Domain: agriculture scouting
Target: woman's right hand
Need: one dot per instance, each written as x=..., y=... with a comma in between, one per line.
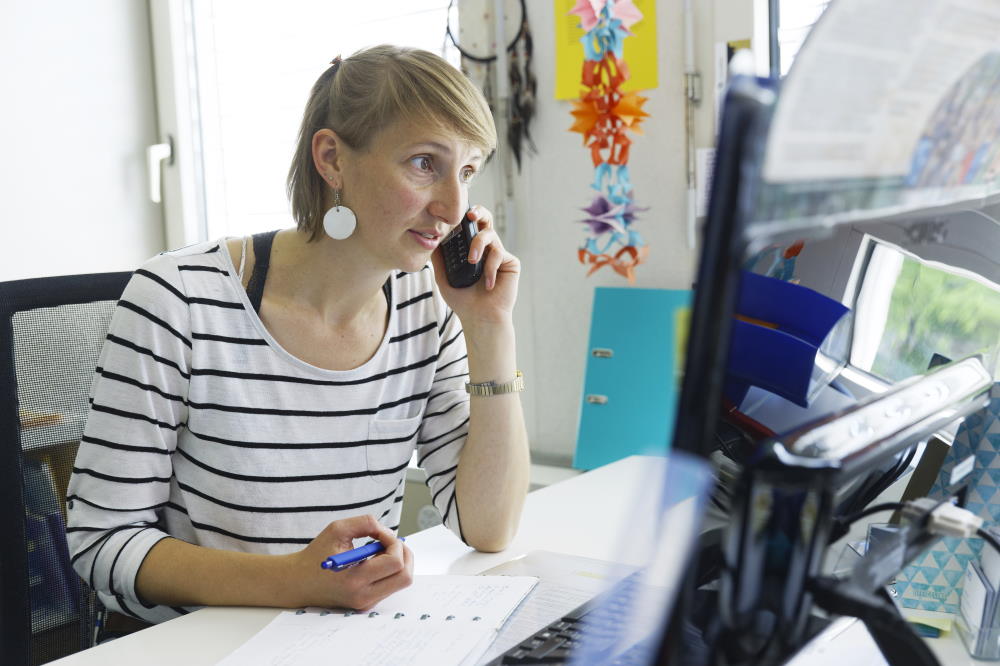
x=359, y=587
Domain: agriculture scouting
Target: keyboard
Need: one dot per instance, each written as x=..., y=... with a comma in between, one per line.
x=591, y=633
x=551, y=644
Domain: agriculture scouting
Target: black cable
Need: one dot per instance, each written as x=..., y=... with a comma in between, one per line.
x=895, y=638
x=875, y=488
x=890, y=477
x=450, y=35
x=850, y=519
x=989, y=538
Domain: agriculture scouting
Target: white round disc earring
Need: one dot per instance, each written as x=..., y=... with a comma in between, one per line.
x=340, y=221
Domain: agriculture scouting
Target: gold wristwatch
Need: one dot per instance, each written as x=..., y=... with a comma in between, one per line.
x=492, y=388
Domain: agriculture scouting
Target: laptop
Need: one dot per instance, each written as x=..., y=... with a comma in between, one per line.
x=586, y=611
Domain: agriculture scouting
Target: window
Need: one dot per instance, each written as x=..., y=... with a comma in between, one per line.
x=795, y=19
x=909, y=309
x=251, y=67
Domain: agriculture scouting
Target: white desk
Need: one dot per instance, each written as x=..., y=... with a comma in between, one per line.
x=848, y=642
x=588, y=515
x=585, y=516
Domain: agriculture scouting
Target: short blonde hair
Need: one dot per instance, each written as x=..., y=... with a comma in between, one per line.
x=362, y=95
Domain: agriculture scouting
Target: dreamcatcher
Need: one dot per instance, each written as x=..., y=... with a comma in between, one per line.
x=521, y=106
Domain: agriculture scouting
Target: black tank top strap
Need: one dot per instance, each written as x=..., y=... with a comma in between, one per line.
x=387, y=290
x=262, y=243
x=262, y=261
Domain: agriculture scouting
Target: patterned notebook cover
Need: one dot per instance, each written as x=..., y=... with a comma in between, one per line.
x=934, y=580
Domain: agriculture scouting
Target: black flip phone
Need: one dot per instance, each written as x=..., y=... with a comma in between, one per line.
x=455, y=251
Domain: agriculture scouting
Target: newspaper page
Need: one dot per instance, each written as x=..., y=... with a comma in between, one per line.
x=902, y=92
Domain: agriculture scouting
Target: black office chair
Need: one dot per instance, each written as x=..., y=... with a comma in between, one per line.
x=51, y=333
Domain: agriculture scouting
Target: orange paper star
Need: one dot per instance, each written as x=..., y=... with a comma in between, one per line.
x=629, y=109
x=586, y=118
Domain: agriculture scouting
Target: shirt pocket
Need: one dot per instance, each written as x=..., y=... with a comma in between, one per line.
x=390, y=446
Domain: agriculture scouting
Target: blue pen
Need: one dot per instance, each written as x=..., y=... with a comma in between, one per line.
x=349, y=558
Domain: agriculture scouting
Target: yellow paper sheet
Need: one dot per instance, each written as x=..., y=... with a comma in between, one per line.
x=639, y=50
x=937, y=619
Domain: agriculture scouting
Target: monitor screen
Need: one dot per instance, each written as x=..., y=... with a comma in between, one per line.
x=851, y=204
x=837, y=313
x=856, y=211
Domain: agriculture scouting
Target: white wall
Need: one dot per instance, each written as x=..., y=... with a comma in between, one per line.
x=76, y=114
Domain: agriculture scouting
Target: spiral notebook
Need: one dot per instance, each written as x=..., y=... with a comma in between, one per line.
x=437, y=621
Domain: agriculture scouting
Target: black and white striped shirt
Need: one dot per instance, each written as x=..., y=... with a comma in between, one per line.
x=203, y=428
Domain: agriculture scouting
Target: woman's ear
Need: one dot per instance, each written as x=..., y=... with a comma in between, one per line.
x=329, y=152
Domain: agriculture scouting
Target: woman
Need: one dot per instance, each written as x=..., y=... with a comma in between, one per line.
x=256, y=404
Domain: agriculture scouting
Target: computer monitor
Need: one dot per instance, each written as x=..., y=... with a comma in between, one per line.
x=743, y=125
x=873, y=202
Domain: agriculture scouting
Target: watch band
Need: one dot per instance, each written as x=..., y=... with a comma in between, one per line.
x=492, y=388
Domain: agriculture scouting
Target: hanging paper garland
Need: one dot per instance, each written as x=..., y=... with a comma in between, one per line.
x=604, y=116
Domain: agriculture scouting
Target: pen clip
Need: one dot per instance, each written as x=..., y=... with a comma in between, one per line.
x=341, y=567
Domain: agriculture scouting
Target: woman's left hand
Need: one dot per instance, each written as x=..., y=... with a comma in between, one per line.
x=491, y=299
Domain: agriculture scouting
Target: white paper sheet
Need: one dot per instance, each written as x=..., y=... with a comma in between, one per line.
x=437, y=621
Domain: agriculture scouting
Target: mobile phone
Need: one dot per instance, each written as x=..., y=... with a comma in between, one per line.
x=455, y=251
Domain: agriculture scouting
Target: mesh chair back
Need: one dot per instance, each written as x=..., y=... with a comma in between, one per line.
x=51, y=334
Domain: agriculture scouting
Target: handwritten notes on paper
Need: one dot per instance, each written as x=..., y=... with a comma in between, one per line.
x=438, y=620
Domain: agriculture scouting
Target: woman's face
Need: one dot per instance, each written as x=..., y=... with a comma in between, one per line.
x=408, y=190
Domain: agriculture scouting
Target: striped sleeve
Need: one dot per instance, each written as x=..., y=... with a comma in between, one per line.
x=122, y=474
x=446, y=419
